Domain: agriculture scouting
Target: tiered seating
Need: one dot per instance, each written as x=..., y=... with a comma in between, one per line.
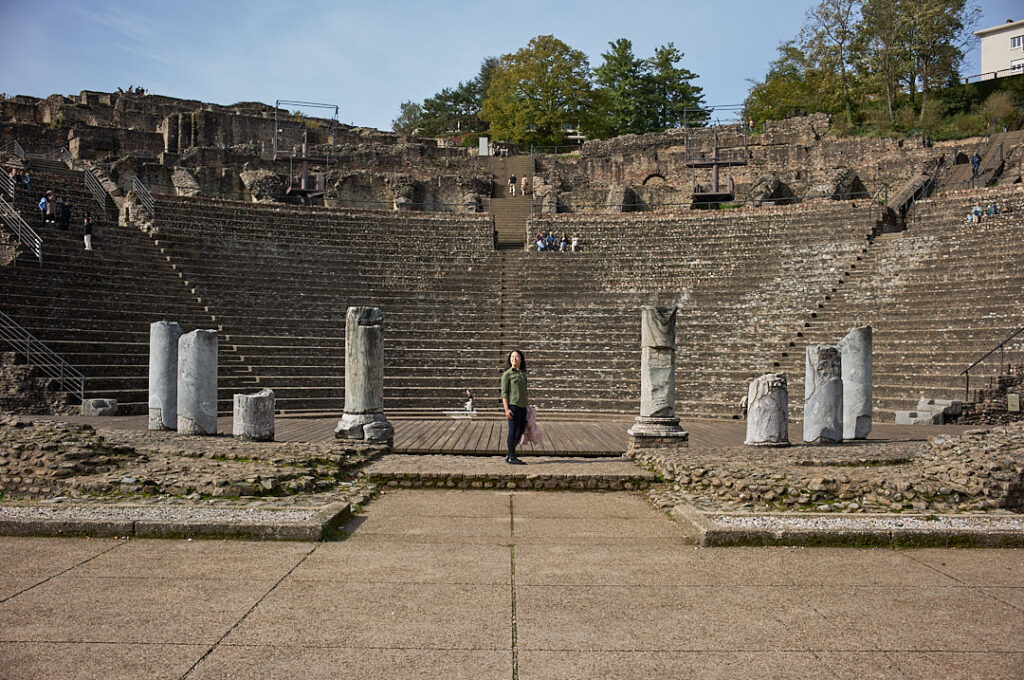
x=281, y=278
x=938, y=296
x=742, y=282
x=94, y=308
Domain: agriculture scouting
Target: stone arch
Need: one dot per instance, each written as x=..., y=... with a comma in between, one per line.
x=654, y=178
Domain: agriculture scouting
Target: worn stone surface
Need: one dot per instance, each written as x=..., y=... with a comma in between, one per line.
x=856, y=352
x=197, y=382
x=657, y=362
x=823, y=395
x=979, y=471
x=768, y=411
x=920, y=418
x=99, y=407
x=254, y=416
x=163, y=375
x=25, y=389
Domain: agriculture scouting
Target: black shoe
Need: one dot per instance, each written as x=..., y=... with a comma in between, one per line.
x=512, y=460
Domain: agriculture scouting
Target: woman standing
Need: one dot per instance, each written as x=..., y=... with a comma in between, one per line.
x=515, y=400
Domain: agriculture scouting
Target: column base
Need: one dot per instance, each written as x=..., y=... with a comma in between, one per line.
x=648, y=434
x=371, y=427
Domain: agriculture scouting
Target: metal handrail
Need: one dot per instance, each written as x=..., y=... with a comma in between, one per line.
x=96, y=189
x=42, y=357
x=145, y=198
x=7, y=184
x=13, y=147
x=26, y=234
x=967, y=371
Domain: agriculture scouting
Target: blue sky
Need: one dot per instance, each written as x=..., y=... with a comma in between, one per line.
x=368, y=57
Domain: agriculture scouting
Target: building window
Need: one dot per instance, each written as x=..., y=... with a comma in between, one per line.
x=1017, y=66
x=1015, y=42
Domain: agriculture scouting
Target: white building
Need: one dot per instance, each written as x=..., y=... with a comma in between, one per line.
x=1002, y=50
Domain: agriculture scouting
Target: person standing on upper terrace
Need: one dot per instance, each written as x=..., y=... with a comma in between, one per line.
x=975, y=164
x=515, y=400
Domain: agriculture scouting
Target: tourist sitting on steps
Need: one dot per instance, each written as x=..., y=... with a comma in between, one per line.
x=469, y=400
x=575, y=242
x=564, y=243
x=515, y=400
x=540, y=242
x=549, y=241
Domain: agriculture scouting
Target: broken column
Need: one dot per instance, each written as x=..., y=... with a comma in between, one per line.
x=823, y=395
x=768, y=411
x=197, y=382
x=163, y=375
x=856, y=351
x=253, y=416
x=657, y=425
x=364, y=378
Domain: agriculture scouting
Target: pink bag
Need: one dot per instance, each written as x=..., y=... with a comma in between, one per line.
x=533, y=433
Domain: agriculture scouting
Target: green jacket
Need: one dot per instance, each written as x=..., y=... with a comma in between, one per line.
x=513, y=387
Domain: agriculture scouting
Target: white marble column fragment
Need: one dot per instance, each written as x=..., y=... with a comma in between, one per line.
x=658, y=376
x=823, y=395
x=197, y=382
x=364, y=377
x=768, y=411
x=253, y=416
x=856, y=350
x=163, y=375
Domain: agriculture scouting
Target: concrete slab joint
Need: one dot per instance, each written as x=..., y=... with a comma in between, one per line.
x=856, y=350
x=197, y=383
x=823, y=395
x=657, y=425
x=253, y=416
x=768, y=411
x=364, y=378
x=163, y=375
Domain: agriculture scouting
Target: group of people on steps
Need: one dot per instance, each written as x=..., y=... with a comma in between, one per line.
x=57, y=211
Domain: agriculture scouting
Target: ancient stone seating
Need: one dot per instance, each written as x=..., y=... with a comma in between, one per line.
x=94, y=309
x=938, y=295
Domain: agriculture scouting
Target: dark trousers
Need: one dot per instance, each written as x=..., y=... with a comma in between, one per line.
x=516, y=427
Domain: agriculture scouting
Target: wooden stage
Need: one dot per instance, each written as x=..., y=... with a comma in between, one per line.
x=484, y=436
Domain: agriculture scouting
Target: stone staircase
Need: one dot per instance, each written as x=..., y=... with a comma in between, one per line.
x=992, y=150
x=94, y=308
x=511, y=214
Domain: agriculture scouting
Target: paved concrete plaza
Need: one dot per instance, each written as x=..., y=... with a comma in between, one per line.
x=485, y=584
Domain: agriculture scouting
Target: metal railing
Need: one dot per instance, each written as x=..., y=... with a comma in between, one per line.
x=145, y=198
x=13, y=147
x=1001, y=347
x=7, y=184
x=26, y=234
x=992, y=75
x=42, y=357
x=96, y=189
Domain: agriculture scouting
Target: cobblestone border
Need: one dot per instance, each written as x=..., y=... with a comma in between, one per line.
x=720, y=529
x=142, y=522
x=551, y=482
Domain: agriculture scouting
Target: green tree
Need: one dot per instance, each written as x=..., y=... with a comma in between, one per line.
x=882, y=46
x=452, y=110
x=827, y=37
x=539, y=92
x=676, y=100
x=791, y=87
x=408, y=121
x=623, y=78
x=936, y=33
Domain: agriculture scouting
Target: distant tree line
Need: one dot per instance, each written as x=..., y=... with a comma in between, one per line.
x=882, y=66
x=544, y=91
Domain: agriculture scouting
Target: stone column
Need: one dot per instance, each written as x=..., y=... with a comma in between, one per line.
x=768, y=411
x=364, y=378
x=253, y=416
x=197, y=382
x=856, y=350
x=823, y=395
x=163, y=375
x=657, y=425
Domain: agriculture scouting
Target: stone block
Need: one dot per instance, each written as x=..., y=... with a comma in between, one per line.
x=768, y=411
x=920, y=418
x=947, y=407
x=254, y=416
x=99, y=407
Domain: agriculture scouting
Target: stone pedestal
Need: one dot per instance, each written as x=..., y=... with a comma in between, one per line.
x=163, y=375
x=823, y=395
x=364, y=377
x=197, y=382
x=253, y=416
x=657, y=425
x=768, y=411
x=99, y=407
x=856, y=351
